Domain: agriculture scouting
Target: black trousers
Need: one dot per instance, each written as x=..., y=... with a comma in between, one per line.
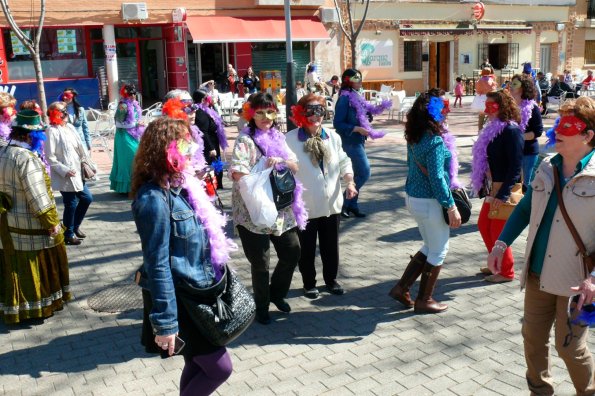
x=257, y=250
x=326, y=229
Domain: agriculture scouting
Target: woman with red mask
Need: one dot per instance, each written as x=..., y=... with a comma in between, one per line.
x=65, y=151
x=128, y=133
x=496, y=168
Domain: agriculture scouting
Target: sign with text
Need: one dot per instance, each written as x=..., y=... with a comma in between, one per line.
x=19, y=48
x=376, y=53
x=66, y=41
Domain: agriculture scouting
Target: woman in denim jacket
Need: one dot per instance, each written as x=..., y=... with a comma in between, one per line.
x=175, y=247
x=77, y=115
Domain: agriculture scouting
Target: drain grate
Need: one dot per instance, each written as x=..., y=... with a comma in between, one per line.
x=117, y=298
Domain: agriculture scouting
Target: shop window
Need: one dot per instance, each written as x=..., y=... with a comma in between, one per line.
x=412, y=55
x=62, y=54
x=96, y=34
x=501, y=56
x=140, y=32
x=590, y=52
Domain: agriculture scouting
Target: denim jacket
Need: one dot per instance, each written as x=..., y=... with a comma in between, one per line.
x=81, y=125
x=175, y=248
x=344, y=122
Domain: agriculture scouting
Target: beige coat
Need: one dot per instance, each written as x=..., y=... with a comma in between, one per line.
x=65, y=151
x=562, y=266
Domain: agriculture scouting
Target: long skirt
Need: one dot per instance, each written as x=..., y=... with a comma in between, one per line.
x=125, y=147
x=33, y=284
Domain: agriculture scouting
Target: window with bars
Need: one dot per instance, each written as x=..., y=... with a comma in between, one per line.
x=501, y=56
x=590, y=52
x=591, y=9
x=412, y=55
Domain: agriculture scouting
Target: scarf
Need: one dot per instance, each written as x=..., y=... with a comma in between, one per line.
x=220, y=246
x=315, y=147
x=526, y=110
x=363, y=107
x=272, y=143
x=217, y=120
x=451, y=144
x=480, y=165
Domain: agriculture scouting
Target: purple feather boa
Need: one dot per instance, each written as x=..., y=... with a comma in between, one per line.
x=272, y=143
x=479, y=152
x=133, y=110
x=214, y=223
x=451, y=144
x=526, y=110
x=363, y=107
x=5, y=130
x=136, y=132
x=198, y=159
x=218, y=121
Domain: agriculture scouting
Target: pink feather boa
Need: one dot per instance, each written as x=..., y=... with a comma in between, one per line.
x=214, y=223
x=218, y=121
x=363, y=107
x=451, y=144
x=526, y=110
x=272, y=143
x=480, y=165
x=198, y=159
x=5, y=130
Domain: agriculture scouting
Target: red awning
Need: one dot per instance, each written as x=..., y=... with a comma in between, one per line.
x=225, y=29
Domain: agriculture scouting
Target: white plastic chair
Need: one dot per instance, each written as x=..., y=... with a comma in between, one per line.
x=103, y=131
x=406, y=105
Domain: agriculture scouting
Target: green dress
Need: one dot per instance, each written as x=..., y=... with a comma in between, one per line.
x=34, y=282
x=125, y=147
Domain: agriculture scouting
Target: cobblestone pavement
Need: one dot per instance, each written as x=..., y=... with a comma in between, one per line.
x=361, y=343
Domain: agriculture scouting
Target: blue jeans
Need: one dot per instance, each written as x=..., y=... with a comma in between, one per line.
x=434, y=231
x=76, y=204
x=529, y=161
x=361, y=171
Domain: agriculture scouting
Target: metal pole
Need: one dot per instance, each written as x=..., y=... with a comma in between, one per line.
x=290, y=97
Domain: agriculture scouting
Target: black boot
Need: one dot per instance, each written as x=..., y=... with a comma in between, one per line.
x=260, y=288
x=424, y=302
x=400, y=291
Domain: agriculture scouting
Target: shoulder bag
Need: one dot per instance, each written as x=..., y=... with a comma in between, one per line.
x=221, y=312
x=459, y=195
x=588, y=259
x=87, y=170
x=505, y=210
x=282, y=184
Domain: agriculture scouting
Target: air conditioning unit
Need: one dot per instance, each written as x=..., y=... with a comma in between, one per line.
x=328, y=15
x=134, y=11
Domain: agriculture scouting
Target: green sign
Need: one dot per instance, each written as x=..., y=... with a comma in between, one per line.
x=66, y=41
x=19, y=48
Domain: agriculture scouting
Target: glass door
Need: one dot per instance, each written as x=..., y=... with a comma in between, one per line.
x=127, y=53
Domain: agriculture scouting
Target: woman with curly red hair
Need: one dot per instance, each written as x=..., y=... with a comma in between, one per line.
x=129, y=129
x=322, y=165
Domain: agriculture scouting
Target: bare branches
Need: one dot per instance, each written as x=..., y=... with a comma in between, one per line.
x=348, y=27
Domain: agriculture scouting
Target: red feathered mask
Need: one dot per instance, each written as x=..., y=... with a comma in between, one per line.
x=298, y=116
x=57, y=117
x=174, y=108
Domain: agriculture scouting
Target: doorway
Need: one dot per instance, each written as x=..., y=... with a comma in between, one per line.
x=439, y=67
x=545, y=58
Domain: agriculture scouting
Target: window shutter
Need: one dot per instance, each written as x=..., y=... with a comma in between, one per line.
x=513, y=55
x=482, y=53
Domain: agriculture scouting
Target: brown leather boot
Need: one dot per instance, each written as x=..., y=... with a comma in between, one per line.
x=400, y=291
x=424, y=302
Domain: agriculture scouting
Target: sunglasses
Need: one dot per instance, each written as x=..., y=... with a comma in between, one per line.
x=315, y=110
x=189, y=108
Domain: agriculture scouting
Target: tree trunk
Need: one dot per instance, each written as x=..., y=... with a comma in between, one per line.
x=40, y=85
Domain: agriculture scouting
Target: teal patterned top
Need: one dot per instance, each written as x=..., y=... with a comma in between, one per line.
x=431, y=153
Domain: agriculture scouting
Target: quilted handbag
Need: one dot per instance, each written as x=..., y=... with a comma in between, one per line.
x=221, y=312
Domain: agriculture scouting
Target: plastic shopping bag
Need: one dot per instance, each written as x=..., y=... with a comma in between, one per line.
x=255, y=189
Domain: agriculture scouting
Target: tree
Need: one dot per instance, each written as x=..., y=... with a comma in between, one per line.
x=348, y=26
x=32, y=45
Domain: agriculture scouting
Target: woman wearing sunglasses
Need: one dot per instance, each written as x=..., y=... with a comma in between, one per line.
x=352, y=122
x=129, y=130
x=65, y=152
x=554, y=270
x=322, y=165
x=262, y=139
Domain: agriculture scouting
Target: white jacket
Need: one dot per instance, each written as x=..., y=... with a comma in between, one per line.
x=322, y=196
x=65, y=151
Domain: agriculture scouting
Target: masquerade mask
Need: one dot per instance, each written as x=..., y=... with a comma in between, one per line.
x=265, y=114
x=446, y=108
x=57, y=116
x=189, y=108
x=355, y=79
x=492, y=108
x=435, y=107
x=516, y=84
x=67, y=96
x=570, y=126
x=315, y=110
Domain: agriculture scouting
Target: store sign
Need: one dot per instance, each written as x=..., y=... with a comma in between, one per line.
x=376, y=53
x=110, y=52
x=66, y=41
x=179, y=15
x=19, y=48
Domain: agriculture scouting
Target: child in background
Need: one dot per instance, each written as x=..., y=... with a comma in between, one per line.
x=459, y=92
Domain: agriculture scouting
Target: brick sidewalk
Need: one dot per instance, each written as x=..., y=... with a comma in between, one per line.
x=361, y=343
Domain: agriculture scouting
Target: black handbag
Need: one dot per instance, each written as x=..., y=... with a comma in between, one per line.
x=221, y=312
x=282, y=184
x=459, y=195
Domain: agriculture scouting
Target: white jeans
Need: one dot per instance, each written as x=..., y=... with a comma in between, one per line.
x=434, y=231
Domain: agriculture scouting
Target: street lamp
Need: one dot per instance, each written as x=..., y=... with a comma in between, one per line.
x=290, y=97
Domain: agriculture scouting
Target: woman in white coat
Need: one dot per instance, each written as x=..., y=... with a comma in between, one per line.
x=322, y=164
x=65, y=153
